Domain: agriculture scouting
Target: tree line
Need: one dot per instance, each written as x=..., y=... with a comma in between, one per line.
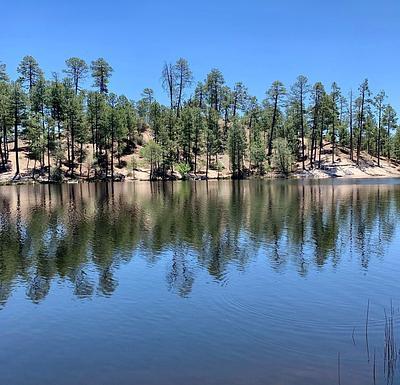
x=63, y=125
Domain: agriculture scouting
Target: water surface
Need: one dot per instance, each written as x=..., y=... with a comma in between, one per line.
x=199, y=283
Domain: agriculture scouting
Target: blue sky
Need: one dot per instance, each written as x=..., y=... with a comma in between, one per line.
x=253, y=41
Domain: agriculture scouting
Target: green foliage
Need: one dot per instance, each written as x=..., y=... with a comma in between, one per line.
x=282, y=156
x=60, y=121
x=101, y=73
x=237, y=147
x=29, y=71
x=152, y=152
x=183, y=169
x=77, y=71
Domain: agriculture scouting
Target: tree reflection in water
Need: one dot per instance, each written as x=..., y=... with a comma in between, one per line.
x=82, y=233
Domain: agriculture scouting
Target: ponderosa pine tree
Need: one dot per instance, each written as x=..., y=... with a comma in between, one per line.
x=362, y=101
x=57, y=104
x=183, y=77
x=213, y=87
x=198, y=133
x=77, y=71
x=5, y=121
x=39, y=103
x=237, y=148
x=101, y=73
x=240, y=96
x=300, y=90
x=389, y=121
x=351, y=134
x=335, y=98
x=3, y=73
x=378, y=103
x=17, y=110
x=316, y=117
x=275, y=95
x=29, y=71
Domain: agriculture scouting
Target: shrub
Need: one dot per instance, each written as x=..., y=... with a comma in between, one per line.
x=183, y=169
x=56, y=174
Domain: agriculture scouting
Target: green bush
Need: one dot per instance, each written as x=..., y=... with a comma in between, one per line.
x=183, y=169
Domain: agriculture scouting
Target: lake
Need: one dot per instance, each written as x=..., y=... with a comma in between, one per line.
x=252, y=282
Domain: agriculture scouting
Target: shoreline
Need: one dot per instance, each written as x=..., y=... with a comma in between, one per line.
x=294, y=176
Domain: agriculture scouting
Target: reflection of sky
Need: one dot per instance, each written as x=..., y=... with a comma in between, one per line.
x=254, y=321
x=240, y=293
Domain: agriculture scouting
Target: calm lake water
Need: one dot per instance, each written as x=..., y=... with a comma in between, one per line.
x=200, y=283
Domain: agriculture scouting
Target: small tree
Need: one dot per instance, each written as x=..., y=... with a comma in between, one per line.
x=133, y=166
x=282, y=158
x=152, y=153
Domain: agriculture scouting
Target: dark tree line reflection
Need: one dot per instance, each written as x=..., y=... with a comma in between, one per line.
x=81, y=234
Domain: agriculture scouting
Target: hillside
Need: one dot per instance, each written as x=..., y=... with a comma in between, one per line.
x=343, y=167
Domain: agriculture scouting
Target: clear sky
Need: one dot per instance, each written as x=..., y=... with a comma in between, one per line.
x=253, y=41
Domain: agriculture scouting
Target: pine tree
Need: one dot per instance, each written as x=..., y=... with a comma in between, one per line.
x=101, y=73
x=335, y=98
x=275, y=94
x=184, y=78
x=362, y=101
x=29, y=71
x=378, y=102
x=237, y=148
x=17, y=108
x=77, y=71
x=300, y=90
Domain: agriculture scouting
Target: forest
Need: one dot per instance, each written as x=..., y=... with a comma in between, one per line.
x=66, y=128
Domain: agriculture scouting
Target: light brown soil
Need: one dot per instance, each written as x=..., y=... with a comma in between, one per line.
x=342, y=167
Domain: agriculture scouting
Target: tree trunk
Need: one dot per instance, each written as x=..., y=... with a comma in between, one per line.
x=361, y=123
x=16, y=142
x=302, y=128
x=112, y=149
x=271, y=136
x=351, y=125
x=379, y=135
x=320, y=139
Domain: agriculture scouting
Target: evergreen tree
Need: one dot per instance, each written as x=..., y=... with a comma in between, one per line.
x=361, y=104
x=17, y=111
x=3, y=73
x=275, y=94
x=101, y=73
x=378, y=102
x=213, y=87
x=29, y=71
x=184, y=77
x=389, y=121
x=77, y=71
x=335, y=98
x=237, y=148
x=300, y=90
